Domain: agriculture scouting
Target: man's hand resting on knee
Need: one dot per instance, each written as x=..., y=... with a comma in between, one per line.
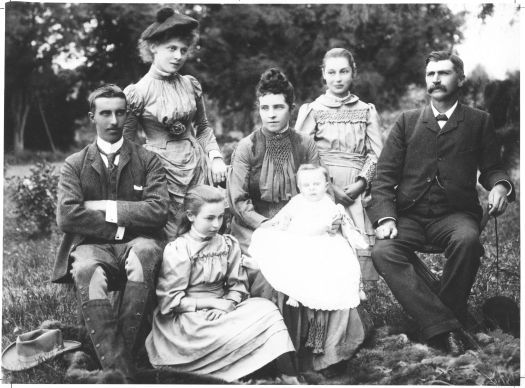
x=387, y=229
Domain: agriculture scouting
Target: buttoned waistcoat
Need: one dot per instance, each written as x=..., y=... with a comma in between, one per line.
x=417, y=149
x=142, y=200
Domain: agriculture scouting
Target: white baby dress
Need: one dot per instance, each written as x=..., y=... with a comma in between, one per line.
x=299, y=258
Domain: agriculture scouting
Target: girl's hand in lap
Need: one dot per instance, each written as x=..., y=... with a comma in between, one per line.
x=214, y=314
x=224, y=305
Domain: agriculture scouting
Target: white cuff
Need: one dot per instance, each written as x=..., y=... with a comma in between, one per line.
x=120, y=233
x=507, y=184
x=385, y=219
x=214, y=154
x=111, y=211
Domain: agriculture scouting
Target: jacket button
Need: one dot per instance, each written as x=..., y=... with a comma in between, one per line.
x=97, y=345
x=429, y=180
x=92, y=331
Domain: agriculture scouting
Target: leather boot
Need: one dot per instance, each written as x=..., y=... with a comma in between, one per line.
x=132, y=314
x=110, y=348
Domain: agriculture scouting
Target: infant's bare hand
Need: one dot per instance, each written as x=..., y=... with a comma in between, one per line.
x=336, y=224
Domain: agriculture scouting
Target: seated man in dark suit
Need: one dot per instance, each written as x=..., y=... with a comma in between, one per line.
x=425, y=192
x=112, y=206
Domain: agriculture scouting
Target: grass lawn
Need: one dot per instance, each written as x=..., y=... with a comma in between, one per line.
x=391, y=356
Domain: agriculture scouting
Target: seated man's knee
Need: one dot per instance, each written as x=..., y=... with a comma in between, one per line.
x=90, y=280
x=467, y=238
x=82, y=271
x=380, y=251
x=143, y=259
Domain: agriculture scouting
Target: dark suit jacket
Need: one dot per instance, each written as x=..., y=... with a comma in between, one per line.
x=142, y=200
x=416, y=149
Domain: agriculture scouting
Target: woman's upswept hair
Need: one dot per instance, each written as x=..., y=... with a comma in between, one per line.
x=340, y=53
x=273, y=81
x=195, y=199
x=312, y=167
x=188, y=36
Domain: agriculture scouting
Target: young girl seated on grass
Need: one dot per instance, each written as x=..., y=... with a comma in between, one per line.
x=204, y=323
x=300, y=258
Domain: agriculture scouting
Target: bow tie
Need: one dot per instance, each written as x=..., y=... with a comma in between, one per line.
x=441, y=117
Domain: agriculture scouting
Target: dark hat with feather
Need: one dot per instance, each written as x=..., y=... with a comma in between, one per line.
x=168, y=19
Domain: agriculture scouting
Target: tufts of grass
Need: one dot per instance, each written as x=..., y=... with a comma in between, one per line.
x=390, y=357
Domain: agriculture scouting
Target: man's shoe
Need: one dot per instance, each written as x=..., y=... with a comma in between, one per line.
x=454, y=343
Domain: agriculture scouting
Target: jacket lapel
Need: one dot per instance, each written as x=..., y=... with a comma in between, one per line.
x=96, y=160
x=454, y=120
x=430, y=120
x=125, y=157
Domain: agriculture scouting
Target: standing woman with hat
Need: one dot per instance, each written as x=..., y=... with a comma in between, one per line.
x=347, y=133
x=169, y=107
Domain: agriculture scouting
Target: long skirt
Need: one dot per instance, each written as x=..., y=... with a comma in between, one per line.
x=236, y=344
x=344, y=331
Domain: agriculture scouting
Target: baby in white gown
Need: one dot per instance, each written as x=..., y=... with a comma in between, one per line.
x=300, y=258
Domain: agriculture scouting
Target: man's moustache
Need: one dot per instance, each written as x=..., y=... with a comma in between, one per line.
x=438, y=87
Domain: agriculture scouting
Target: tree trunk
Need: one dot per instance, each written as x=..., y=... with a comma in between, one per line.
x=48, y=132
x=20, y=108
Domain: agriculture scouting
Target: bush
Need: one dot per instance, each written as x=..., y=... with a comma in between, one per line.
x=35, y=196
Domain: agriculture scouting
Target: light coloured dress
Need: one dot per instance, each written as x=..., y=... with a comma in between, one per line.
x=230, y=347
x=348, y=136
x=299, y=252
x=169, y=108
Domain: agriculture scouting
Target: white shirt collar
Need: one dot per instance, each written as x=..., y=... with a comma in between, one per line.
x=107, y=147
x=448, y=113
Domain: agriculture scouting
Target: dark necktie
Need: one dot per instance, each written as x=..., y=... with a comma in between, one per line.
x=111, y=158
x=441, y=117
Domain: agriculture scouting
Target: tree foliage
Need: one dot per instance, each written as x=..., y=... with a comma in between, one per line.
x=389, y=43
x=238, y=42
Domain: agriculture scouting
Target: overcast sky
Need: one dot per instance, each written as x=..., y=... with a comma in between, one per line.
x=494, y=44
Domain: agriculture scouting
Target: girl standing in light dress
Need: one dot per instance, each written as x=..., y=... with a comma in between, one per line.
x=295, y=250
x=347, y=133
x=169, y=108
x=204, y=322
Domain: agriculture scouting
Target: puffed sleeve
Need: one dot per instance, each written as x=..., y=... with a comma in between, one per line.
x=174, y=277
x=305, y=122
x=204, y=132
x=236, y=276
x=312, y=152
x=135, y=110
x=237, y=186
x=373, y=144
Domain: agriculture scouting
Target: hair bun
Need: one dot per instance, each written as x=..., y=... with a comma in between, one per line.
x=273, y=75
x=164, y=13
x=273, y=81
